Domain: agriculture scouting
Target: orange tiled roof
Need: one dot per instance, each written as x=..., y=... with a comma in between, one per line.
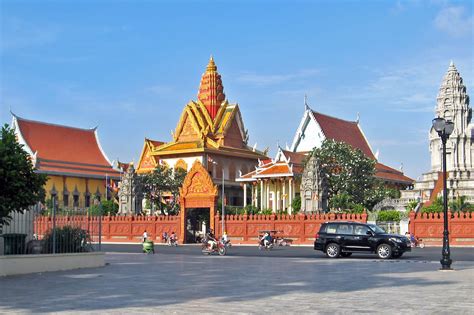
x=387, y=173
x=64, y=149
x=295, y=157
x=275, y=169
x=344, y=131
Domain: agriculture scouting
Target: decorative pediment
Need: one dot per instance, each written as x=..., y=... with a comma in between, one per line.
x=198, y=182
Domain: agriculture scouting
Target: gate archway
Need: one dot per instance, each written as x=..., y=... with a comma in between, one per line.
x=198, y=191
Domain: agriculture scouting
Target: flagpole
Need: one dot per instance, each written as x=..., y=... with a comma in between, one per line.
x=106, y=187
x=223, y=196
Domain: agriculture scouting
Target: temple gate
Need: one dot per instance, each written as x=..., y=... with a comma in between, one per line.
x=198, y=192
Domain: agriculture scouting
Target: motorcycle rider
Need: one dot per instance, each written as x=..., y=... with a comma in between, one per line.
x=211, y=239
x=266, y=239
x=172, y=238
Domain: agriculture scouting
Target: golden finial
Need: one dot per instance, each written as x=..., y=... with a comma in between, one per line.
x=211, y=66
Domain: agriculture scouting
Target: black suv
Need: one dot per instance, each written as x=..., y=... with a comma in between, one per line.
x=344, y=238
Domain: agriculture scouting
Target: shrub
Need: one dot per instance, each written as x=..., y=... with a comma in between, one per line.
x=249, y=209
x=296, y=204
x=388, y=215
x=69, y=239
x=434, y=208
x=266, y=211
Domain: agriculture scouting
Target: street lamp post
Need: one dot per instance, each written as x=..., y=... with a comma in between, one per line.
x=223, y=201
x=444, y=129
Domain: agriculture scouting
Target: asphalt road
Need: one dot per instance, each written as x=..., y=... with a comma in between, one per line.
x=418, y=254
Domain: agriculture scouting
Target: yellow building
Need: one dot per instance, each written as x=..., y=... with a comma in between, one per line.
x=78, y=169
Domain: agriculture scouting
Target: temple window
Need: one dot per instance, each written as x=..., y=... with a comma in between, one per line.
x=66, y=199
x=88, y=201
x=75, y=201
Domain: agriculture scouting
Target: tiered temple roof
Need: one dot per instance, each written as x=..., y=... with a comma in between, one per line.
x=208, y=125
x=63, y=150
x=345, y=131
x=286, y=164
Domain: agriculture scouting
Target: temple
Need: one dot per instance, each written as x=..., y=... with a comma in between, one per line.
x=77, y=167
x=285, y=177
x=452, y=105
x=210, y=130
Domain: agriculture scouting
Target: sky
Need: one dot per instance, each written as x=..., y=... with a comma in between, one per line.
x=130, y=67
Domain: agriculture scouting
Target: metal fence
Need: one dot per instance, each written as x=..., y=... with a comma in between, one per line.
x=50, y=231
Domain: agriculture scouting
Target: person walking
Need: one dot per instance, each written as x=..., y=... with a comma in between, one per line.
x=145, y=236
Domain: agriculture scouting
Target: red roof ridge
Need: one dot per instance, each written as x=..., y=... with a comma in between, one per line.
x=344, y=120
x=53, y=124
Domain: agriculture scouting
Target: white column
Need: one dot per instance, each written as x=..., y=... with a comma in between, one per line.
x=253, y=195
x=284, y=193
x=262, y=193
x=268, y=195
x=290, y=195
x=245, y=195
x=277, y=195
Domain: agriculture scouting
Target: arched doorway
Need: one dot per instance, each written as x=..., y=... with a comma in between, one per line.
x=198, y=201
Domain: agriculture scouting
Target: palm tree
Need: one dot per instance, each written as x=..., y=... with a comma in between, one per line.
x=459, y=204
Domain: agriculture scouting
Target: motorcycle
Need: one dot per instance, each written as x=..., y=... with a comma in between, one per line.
x=220, y=248
x=172, y=242
x=267, y=246
x=227, y=243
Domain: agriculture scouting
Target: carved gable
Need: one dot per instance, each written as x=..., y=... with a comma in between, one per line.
x=147, y=161
x=198, y=182
x=188, y=132
x=233, y=135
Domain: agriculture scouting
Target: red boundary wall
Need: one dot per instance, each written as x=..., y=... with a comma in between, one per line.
x=244, y=229
x=117, y=228
x=430, y=226
x=301, y=228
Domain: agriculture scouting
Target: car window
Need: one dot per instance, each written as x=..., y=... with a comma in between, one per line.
x=344, y=229
x=361, y=230
x=331, y=228
x=377, y=229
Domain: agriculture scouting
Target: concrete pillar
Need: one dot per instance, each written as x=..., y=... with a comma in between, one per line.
x=290, y=184
x=284, y=193
x=245, y=195
x=268, y=195
x=253, y=194
x=277, y=195
x=262, y=193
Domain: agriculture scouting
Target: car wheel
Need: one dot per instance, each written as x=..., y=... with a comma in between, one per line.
x=384, y=251
x=398, y=255
x=346, y=254
x=333, y=250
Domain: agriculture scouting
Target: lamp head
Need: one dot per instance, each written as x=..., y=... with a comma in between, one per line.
x=449, y=128
x=439, y=124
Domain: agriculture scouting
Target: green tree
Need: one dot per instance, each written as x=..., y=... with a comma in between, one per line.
x=155, y=184
x=296, y=204
x=347, y=172
x=20, y=186
x=163, y=180
x=175, y=182
x=460, y=204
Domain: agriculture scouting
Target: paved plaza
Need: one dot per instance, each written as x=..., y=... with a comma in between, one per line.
x=187, y=283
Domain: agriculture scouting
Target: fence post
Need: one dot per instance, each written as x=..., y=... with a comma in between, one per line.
x=245, y=236
x=302, y=233
x=54, y=224
x=100, y=226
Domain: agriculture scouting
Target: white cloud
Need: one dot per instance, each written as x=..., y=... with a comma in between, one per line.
x=454, y=21
x=270, y=79
x=17, y=33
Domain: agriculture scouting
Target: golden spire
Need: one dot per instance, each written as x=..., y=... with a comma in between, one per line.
x=211, y=66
